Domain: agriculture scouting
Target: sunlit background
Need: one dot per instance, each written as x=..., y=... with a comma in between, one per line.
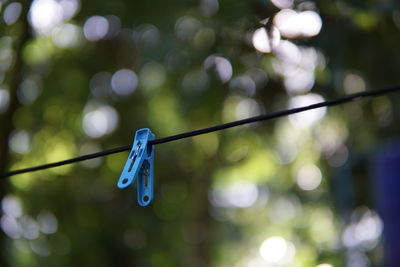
x=77, y=77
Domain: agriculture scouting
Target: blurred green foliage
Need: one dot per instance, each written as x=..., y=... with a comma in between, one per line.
x=261, y=195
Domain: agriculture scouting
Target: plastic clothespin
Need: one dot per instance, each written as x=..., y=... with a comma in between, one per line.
x=140, y=163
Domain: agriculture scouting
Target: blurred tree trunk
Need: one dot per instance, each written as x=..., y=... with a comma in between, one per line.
x=14, y=78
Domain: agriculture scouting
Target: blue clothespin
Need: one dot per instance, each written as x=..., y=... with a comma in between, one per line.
x=140, y=163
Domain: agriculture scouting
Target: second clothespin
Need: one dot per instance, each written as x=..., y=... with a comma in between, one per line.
x=140, y=164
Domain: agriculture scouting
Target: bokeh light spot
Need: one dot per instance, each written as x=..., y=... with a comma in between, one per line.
x=353, y=83
x=265, y=41
x=308, y=118
x=124, y=82
x=45, y=15
x=67, y=35
x=186, y=27
x=283, y=3
x=221, y=66
x=10, y=226
x=292, y=24
x=11, y=206
x=48, y=223
x=146, y=36
x=277, y=250
x=20, y=142
x=29, y=90
x=309, y=177
x=100, y=121
x=247, y=108
x=12, y=13
x=95, y=28
x=243, y=85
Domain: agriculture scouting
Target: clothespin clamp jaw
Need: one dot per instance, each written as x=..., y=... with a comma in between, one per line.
x=140, y=164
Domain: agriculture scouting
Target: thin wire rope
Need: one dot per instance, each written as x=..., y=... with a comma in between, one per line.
x=219, y=127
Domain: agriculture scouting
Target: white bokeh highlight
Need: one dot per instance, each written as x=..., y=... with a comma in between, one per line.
x=264, y=41
x=100, y=121
x=309, y=177
x=276, y=250
x=293, y=24
x=45, y=15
